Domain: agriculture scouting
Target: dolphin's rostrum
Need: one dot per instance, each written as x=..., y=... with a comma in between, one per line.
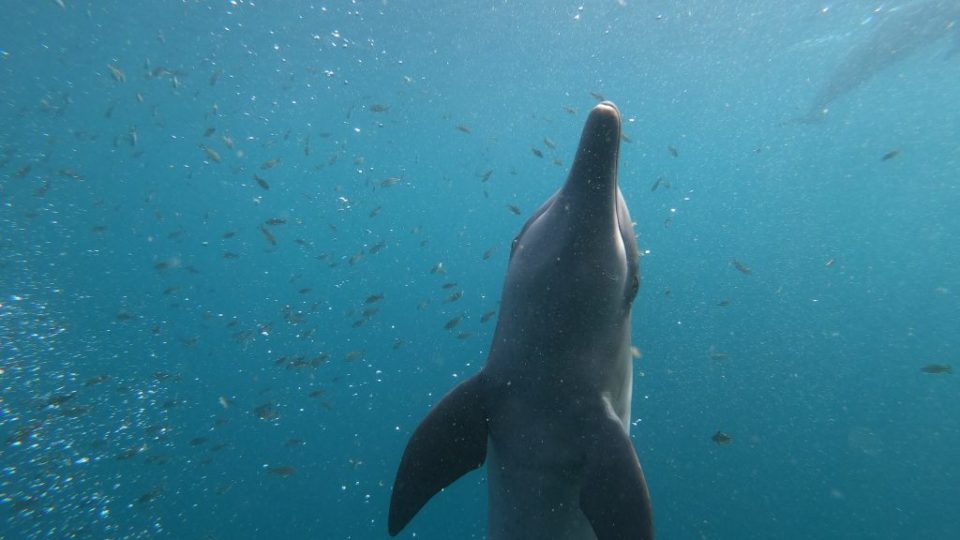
x=550, y=411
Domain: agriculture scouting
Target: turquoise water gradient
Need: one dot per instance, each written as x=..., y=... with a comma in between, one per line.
x=145, y=314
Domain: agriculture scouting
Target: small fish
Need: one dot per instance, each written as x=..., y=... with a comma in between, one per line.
x=266, y=412
x=569, y=110
x=890, y=155
x=454, y=296
x=489, y=253
x=209, y=131
x=353, y=356
x=97, y=380
x=660, y=182
x=268, y=235
x=117, y=73
x=227, y=141
x=597, y=96
x=721, y=438
x=464, y=129
x=449, y=285
x=388, y=182
x=487, y=316
x=513, y=209
x=230, y=255
x=197, y=441
x=211, y=154
x=282, y=470
x=215, y=77
x=537, y=152
x=270, y=164
x=742, y=267
x=261, y=182
x=486, y=176
x=228, y=234
x=549, y=143
x=378, y=247
x=673, y=151
x=373, y=299
x=275, y=221
x=452, y=323
x=378, y=108
x=937, y=369
x=438, y=269
x=723, y=303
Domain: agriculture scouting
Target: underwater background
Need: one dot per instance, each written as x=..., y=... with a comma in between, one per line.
x=244, y=247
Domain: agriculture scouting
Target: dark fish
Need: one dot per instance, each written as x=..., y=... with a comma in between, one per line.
x=266, y=412
x=513, y=209
x=723, y=303
x=353, y=356
x=597, y=96
x=452, y=323
x=449, y=285
x=454, y=296
x=275, y=221
x=268, y=235
x=282, y=470
x=660, y=182
x=741, y=267
x=261, y=182
x=489, y=253
x=293, y=443
x=373, y=298
x=721, y=438
x=549, y=143
x=97, y=380
x=464, y=129
x=890, y=155
x=378, y=247
x=537, y=152
x=197, y=441
x=149, y=496
x=486, y=175
x=270, y=164
x=375, y=212
x=673, y=151
x=487, y=316
x=937, y=369
x=378, y=108
x=209, y=131
x=228, y=234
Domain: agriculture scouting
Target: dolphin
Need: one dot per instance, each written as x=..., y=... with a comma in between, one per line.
x=549, y=412
x=899, y=35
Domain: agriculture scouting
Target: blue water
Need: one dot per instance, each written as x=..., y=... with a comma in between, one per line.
x=136, y=341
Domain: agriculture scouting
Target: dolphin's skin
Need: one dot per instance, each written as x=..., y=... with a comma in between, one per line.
x=550, y=410
x=901, y=33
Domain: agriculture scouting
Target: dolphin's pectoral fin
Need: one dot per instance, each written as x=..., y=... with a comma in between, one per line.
x=450, y=442
x=614, y=494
